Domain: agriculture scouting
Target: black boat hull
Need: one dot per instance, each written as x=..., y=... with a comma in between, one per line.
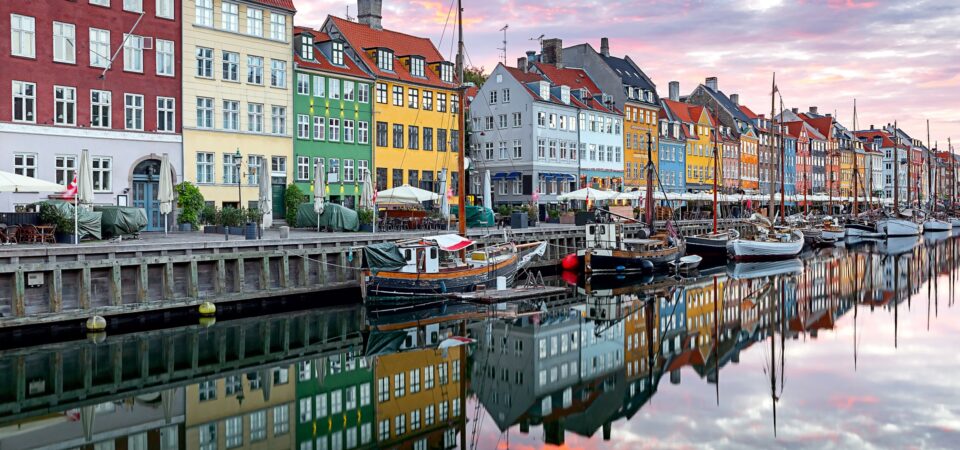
x=619, y=261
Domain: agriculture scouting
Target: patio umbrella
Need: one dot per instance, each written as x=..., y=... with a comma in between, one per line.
x=319, y=186
x=84, y=190
x=487, y=193
x=165, y=196
x=368, y=197
x=406, y=194
x=265, y=202
x=11, y=182
x=587, y=193
x=444, y=200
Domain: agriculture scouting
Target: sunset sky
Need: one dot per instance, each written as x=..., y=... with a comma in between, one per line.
x=899, y=59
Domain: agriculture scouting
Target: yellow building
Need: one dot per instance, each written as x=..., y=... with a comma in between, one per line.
x=703, y=311
x=245, y=411
x=639, y=121
x=416, y=105
x=418, y=396
x=237, y=98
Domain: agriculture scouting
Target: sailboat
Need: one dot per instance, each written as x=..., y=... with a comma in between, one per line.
x=934, y=222
x=894, y=225
x=769, y=242
x=408, y=273
x=608, y=251
x=954, y=218
x=859, y=226
x=712, y=245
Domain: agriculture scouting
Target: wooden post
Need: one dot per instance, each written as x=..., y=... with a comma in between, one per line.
x=304, y=270
x=322, y=268
x=221, y=279
x=85, y=288
x=116, y=285
x=21, y=380
x=56, y=291
x=285, y=271
x=143, y=286
x=194, y=279
x=241, y=343
x=168, y=281
x=265, y=273
x=238, y=282
x=19, y=285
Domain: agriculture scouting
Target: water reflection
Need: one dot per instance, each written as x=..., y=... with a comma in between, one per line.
x=834, y=347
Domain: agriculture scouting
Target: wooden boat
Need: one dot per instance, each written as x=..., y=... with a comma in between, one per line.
x=406, y=273
x=710, y=245
x=955, y=222
x=934, y=224
x=769, y=244
x=609, y=252
x=862, y=229
x=686, y=264
x=747, y=270
x=898, y=227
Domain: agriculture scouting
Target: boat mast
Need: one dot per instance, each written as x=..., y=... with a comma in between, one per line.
x=716, y=155
x=953, y=176
x=933, y=192
x=461, y=138
x=896, y=173
x=896, y=133
x=772, y=147
x=649, y=168
x=783, y=191
x=856, y=168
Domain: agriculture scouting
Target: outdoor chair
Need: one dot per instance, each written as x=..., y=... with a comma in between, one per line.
x=9, y=234
x=28, y=234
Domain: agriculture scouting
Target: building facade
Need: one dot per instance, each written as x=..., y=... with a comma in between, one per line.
x=333, y=111
x=237, y=99
x=416, y=121
x=335, y=406
x=672, y=154
x=96, y=75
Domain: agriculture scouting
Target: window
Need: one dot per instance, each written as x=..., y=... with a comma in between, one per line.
x=336, y=402
x=363, y=133
x=321, y=401
x=254, y=70
x=278, y=73
x=254, y=163
x=334, y=92
x=363, y=93
x=99, y=109
x=231, y=169
x=204, y=112
x=444, y=409
x=542, y=148
x=208, y=436
x=64, y=42
x=348, y=91
x=415, y=420
x=414, y=381
x=22, y=36
x=319, y=86
x=348, y=130
x=383, y=431
x=303, y=84
x=166, y=114
x=65, y=167
x=230, y=16
x=428, y=100
x=234, y=431
x=398, y=96
x=383, y=384
x=165, y=9
x=382, y=134
x=281, y=420
x=503, y=150
x=255, y=117
x=348, y=173
x=64, y=105
x=100, y=2
x=231, y=115
x=133, y=5
x=337, y=53
x=517, y=149
x=204, y=62
x=25, y=164
x=397, y=135
x=306, y=409
x=207, y=390
x=428, y=138
x=442, y=369
x=278, y=27
x=506, y=95
x=364, y=388
x=441, y=140
x=258, y=425
x=385, y=59
x=278, y=164
x=516, y=188
x=493, y=97
x=541, y=119
x=399, y=382
x=303, y=126
x=255, y=22
x=334, y=130
x=488, y=151
x=100, y=48
x=231, y=66
x=165, y=54
x=413, y=137
x=278, y=119
x=446, y=73
x=413, y=98
x=133, y=111
x=400, y=424
x=319, y=128
x=441, y=102
x=132, y=53
x=204, y=13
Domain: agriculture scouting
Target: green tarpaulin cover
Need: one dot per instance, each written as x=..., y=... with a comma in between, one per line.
x=334, y=217
x=121, y=220
x=477, y=216
x=383, y=256
x=88, y=222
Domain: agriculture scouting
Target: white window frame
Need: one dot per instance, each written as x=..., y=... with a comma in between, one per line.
x=319, y=128
x=102, y=173
x=333, y=127
x=278, y=119
x=303, y=126
x=165, y=9
x=23, y=36
x=166, y=109
x=205, y=110
x=230, y=66
x=133, y=110
x=255, y=22
x=348, y=176
x=303, y=174
x=363, y=132
x=99, y=47
x=133, y=5
x=206, y=173
x=231, y=115
x=303, y=84
x=348, y=130
x=204, y=58
x=363, y=92
x=68, y=103
x=230, y=17
x=132, y=53
x=64, y=169
x=166, y=58
x=64, y=42
x=278, y=73
x=103, y=103
x=204, y=13
x=255, y=117
x=278, y=27
x=255, y=70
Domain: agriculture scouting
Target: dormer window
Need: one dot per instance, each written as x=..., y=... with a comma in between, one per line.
x=306, y=47
x=384, y=59
x=446, y=73
x=337, y=55
x=416, y=66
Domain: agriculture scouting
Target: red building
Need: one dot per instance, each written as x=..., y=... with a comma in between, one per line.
x=102, y=75
x=798, y=131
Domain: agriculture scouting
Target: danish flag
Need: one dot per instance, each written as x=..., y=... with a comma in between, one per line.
x=71, y=191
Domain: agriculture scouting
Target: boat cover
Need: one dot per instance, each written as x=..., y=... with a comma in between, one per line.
x=334, y=217
x=121, y=220
x=384, y=342
x=477, y=216
x=450, y=242
x=88, y=222
x=383, y=256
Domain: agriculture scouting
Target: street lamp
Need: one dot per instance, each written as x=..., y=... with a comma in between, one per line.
x=237, y=160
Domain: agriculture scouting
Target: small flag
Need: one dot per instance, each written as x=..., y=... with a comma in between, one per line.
x=71, y=191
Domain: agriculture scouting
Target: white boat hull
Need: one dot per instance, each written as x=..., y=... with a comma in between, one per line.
x=898, y=227
x=955, y=221
x=833, y=235
x=934, y=225
x=750, y=250
x=862, y=231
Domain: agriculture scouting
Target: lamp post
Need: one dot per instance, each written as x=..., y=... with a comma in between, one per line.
x=237, y=160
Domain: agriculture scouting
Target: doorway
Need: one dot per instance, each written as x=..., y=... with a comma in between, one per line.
x=146, y=187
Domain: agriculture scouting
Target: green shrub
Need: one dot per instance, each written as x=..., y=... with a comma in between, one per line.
x=365, y=215
x=51, y=215
x=210, y=215
x=254, y=215
x=232, y=217
x=191, y=204
x=292, y=199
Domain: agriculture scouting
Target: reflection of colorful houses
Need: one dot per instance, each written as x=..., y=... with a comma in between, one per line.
x=243, y=410
x=335, y=402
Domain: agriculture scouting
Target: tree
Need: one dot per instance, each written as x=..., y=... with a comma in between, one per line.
x=475, y=75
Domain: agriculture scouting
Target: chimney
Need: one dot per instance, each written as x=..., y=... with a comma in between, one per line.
x=735, y=98
x=813, y=110
x=871, y=126
x=675, y=91
x=522, y=63
x=531, y=57
x=552, y=52
x=369, y=13
x=795, y=110
x=829, y=115
x=712, y=83
x=604, y=46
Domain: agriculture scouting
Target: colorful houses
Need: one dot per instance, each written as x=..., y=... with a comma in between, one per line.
x=672, y=152
x=335, y=406
x=698, y=128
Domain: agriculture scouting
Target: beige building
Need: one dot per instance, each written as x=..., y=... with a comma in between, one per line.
x=246, y=411
x=237, y=98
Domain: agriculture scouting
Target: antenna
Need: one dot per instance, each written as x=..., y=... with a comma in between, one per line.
x=504, y=48
x=348, y=14
x=539, y=40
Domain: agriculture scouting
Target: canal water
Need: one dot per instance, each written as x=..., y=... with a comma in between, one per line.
x=840, y=348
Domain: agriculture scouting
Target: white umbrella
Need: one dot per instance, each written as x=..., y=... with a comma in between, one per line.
x=265, y=202
x=444, y=201
x=84, y=190
x=165, y=196
x=367, y=197
x=11, y=182
x=319, y=186
x=406, y=194
x=487, y=193
x=587, y=193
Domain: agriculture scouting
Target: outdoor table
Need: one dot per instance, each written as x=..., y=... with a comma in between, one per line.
x=45, y=233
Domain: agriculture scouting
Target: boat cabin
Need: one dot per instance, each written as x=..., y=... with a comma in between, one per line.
x=421, y=258
x=604, y=235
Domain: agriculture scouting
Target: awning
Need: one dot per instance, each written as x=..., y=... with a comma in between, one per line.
x=506, y=176
x=450, y=242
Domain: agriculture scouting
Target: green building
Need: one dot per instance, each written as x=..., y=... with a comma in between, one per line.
x=335, y=408
x=332, y=114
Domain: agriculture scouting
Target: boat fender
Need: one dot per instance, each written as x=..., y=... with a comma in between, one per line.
x=570, y=262
x=646, y=264
x=350, y=256
x=620, y=268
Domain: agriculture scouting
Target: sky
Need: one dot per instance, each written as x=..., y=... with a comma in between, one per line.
x=899, y=59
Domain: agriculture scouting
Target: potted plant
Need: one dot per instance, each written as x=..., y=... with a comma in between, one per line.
x=190, y=202
x=554, y=216
x=233, y=218
x=292, y=198
x=51, y=215
x=365, y=215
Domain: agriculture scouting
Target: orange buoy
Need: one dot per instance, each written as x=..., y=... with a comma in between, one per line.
x=570, y=262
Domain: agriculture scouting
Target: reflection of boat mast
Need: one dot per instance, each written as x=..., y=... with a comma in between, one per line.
x=896, y=296
x=716, y=335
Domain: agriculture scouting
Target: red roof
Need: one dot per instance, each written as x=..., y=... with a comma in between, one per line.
x=750, y=114
x=823, y=125
x=794, y=129
x=574, y=78
x=282, y=4
x=523, y=77
x=321, y=62
x=362, y=38
x=870, y=135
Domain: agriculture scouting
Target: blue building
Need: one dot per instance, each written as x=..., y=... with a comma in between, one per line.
x=671, y=154
x=790, y=165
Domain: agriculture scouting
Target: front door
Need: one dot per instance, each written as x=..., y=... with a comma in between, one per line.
x=278, y=207
x=146, y=186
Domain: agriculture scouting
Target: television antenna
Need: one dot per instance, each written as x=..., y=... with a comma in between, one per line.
x=504, y=48
x=539, y=40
